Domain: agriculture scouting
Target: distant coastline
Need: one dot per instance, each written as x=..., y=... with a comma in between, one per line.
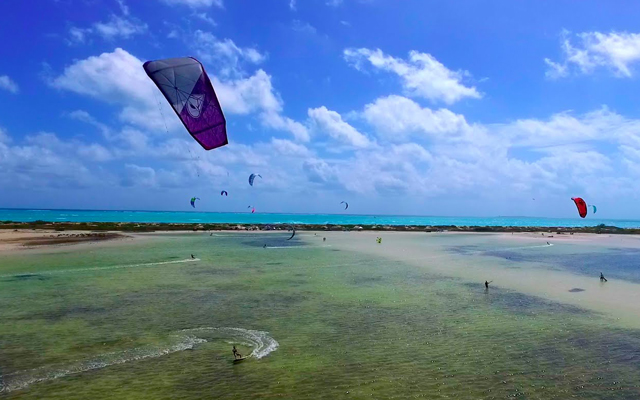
x=166, y=227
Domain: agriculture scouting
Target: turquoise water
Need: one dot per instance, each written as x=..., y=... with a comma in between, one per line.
x=258, y=218
x=142, y=320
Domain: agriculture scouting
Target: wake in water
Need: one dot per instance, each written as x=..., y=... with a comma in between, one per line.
x=187, y=339
x=67, y=271
x=262, y=343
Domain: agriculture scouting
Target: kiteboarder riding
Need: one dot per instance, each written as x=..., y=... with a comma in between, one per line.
x=236, y=355
x=602, y=278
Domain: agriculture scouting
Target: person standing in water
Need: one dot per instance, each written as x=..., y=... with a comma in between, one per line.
x=602, y=278
x=236, y=354
x=486, y=284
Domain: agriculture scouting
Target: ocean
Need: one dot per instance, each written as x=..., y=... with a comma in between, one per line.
x=24, y=215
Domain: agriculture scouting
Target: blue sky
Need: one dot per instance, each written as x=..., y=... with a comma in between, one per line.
x=399, y=107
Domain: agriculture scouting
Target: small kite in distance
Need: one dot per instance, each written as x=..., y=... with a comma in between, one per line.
x=294, y=233
x=224, y=193
x=252, y=177
x=193, y=201
x=346, y=205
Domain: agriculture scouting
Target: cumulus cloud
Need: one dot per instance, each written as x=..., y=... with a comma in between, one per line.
x=616, y=51
x=395, y=118
x=118, y=79
x=421, y=75
x=224, y=53
x=122, y=26
x=8, y=84
x=331, y=123
x=119, y=28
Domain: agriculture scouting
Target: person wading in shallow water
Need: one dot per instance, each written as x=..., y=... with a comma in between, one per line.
x=486, y=285
x=236, y=355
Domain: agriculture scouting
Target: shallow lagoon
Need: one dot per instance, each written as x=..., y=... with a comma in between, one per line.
x=119, y=320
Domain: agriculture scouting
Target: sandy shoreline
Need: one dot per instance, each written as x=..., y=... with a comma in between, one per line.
x=617, y=300
x=16, y=239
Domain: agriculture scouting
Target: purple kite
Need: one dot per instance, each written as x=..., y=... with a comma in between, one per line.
x=186, y=86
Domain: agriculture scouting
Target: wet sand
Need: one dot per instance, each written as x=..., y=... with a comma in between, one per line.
x=617, y=300
x=11, y=240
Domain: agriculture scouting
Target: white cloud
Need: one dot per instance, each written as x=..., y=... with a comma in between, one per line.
x=225, y=53
x=78, y=35
x=123, y=7
x=565, y=128
x=331, y=123
x=118, y=78
x=616, y=51
x=136, y=175
x=334, y=3
x=244, y=96
x=395, y=118
x=204, y=17
x=115, y=77
x=196, y=3
x=422, y=75
x=292, y=5
x=555, y=70
x=277, y=121
x=7, y=83
x=119, y=27
x=303, y=27
x=289, y=148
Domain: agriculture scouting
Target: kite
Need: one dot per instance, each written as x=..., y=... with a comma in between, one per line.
x=581, y=205
x=294, y=233
x=594, y=209
x=346, y=205
x=193, y=201
x=252, y=177
x=253, y=210
x=224, y=193
x=186, y=86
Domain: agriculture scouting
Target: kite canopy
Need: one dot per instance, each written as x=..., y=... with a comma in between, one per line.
x=294, y=233
x=186, y=86
x=594, y=208
x=252, y=177
x=346, y=205
x=581, y=205
x=224, y=193
x=193, y=201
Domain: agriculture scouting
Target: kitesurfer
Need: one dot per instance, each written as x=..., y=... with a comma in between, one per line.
x=192, y=257
x=486, y=284
x=602, y=278
x=324, y=239
x=265, y=246
x=236, y=354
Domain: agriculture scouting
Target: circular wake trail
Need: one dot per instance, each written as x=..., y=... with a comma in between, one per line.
x=187, y=339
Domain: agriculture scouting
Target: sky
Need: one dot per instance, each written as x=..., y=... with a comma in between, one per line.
x=449, y=108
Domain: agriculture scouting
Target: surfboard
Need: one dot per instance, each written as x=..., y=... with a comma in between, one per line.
x=237, y=360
